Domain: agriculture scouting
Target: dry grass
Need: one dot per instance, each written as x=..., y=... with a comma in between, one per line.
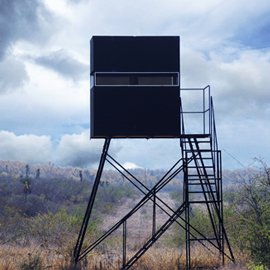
x=13, y=258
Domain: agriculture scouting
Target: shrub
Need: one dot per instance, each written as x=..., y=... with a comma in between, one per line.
x=33, y=262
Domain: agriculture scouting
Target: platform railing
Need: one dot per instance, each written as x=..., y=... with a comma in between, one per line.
x=204, y=111
x=202, y=100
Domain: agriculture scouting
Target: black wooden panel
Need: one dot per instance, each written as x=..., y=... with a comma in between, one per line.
x=134, y=54
x=135, y=112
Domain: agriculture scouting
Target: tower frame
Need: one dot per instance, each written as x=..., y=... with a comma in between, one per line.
x=200, y=163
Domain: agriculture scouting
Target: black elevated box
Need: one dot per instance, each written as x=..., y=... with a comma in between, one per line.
x=134, y=54
x=135, y=87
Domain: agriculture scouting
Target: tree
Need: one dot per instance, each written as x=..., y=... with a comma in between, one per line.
x=252, y=204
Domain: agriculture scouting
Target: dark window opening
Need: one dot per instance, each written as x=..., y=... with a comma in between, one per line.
x=160, y=79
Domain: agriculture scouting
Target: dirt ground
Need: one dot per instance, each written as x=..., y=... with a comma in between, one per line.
x=140, y=224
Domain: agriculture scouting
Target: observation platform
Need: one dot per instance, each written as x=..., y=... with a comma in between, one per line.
x=136, y=94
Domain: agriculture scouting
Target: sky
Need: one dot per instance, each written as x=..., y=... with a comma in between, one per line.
x=44, y=76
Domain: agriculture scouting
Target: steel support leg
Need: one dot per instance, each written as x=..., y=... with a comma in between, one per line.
x=187, y=209
x=78, y=247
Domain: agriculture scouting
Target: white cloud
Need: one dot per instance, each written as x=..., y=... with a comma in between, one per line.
x=28, y=148
x=71, y=150
x=23, y=20
x=11, y=68
x=131, y=165
x=63, y=63
x=78, y=150
x=244, y=139
x=155, y=153
x=238, y=77
x=47, y=104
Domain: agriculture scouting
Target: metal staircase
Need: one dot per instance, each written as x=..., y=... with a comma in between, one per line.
x=203, y=182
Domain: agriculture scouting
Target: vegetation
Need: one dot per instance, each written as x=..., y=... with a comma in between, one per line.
x=248, y=214
x=40, y=218
x=40, y=214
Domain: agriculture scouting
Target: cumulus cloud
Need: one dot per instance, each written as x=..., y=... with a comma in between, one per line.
x=28, y=148
x=130, y=165
x=243, y=139
x=238, y=78
x=78, y=150
x=11, y=68
x=64, y=64
x=22, y=20
x=19, y=21
x=72, y=150
x=154, y=154
x=244, y=79
x=257, y=35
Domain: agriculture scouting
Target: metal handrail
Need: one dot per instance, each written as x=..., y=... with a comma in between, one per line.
x=205, y=109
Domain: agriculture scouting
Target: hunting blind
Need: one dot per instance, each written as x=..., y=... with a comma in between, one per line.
x=136, y=93
x=135, y=87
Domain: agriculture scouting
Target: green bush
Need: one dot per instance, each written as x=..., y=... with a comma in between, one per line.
x=33, y=263
x=248, y=216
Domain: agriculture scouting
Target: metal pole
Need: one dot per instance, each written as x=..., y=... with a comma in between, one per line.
x=78, y=247
x=124, y=243
x=154, y=213
x=186, y=200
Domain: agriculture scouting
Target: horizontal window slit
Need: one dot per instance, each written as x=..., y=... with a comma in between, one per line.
x=136, y=79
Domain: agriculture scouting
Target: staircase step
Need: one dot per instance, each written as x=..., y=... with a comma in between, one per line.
x=206, y=239
x=199, y=184
x=200, y=167
x=203, y=151
x=191, y=181
x=203, y=177
x=216, y=201
x=197, y=176
x=202, y=192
